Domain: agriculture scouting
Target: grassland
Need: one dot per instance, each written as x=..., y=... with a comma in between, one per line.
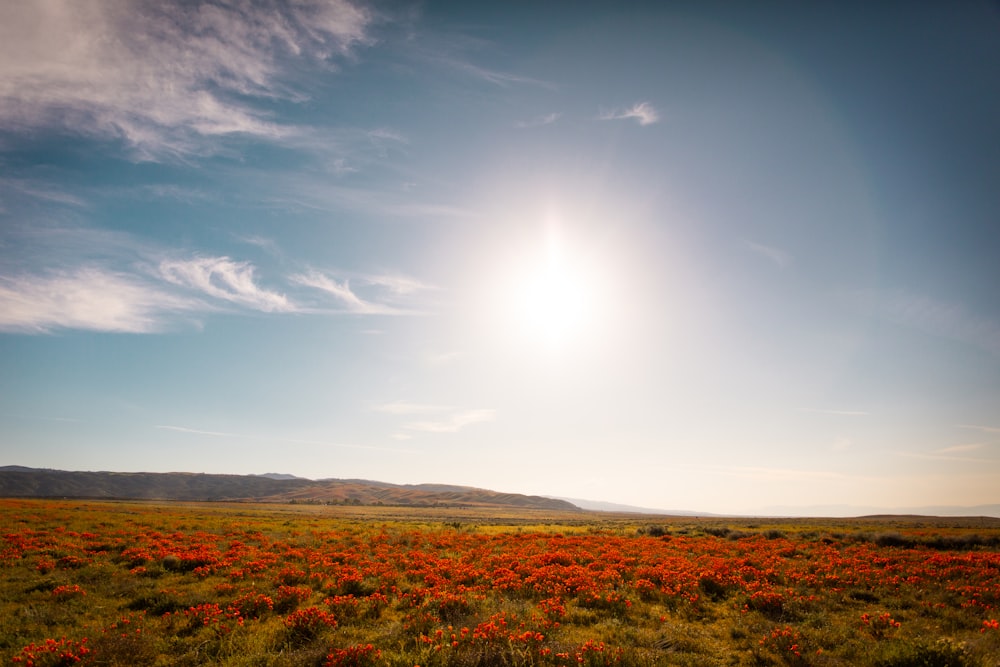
x=129, y=583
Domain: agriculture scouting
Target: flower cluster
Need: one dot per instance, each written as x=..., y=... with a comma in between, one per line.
x=353, y=656
x=67, y=592
x=881, y=626
x=52, y=653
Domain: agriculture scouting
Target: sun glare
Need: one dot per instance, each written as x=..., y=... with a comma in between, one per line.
x=552, y=300
x=553, y=304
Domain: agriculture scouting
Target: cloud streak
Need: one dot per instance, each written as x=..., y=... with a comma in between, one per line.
x=163, y=77
x=945, y=455
x=780, y=258
x=341, y=292
x=446, y=418
x=642, y=112
x=146, y=293
x=87, y=298
x=958, y=449
x=225, y=279
x=290, y=441
x=388, y=289
x=408, y=408
x=195, y=431
x=985, y=429
x=453, y=423
x=539, y=121
x=936, y=318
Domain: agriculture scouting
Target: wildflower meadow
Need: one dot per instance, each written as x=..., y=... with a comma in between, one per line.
x=126, y=583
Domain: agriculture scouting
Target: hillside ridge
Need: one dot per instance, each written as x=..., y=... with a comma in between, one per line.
x=24, y=482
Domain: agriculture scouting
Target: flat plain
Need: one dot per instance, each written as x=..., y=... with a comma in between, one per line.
x=129, y=583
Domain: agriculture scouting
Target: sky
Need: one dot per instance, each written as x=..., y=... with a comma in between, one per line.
x=707, y=256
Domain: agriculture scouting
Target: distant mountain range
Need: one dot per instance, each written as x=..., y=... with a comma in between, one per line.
x=866, y=511
x=19, y=481
x=600, y=506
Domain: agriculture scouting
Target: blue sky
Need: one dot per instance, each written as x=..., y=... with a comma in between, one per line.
x=711, y=256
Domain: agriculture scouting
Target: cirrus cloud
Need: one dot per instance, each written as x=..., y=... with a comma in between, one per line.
x=225, y=279
x=163, y=77
x=88, y=298
x=642, y=112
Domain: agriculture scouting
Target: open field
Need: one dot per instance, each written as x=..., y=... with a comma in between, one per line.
x=126, y=583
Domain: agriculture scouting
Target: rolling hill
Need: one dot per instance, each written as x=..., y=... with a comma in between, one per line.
x=19, y=481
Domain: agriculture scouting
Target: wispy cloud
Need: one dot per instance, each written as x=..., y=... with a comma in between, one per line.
x=842, y=444
x=388, y=289
x=164, y=77
x=498, y=78
x=454, y=422
x=409, y=408
x=399, y=284
x=844, y=413
x=933, y=317
x=779, y=257
x=446, y=418
x=223, y=278
x=114, y=283
x=266, y=244
x=342, y=293
x=304, y=193
x=785, y=474
x=642, y=112
x=283, y=440
x=39, y=191
x=948, y=454
x=195, y=431
x=88, y=298
x=538, y=121
x=985, y=429
x=959, y=449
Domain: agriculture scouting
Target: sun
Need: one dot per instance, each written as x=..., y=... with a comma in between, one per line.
x=552, y=298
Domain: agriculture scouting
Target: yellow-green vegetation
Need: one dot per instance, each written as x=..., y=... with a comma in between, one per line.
x=127, y=583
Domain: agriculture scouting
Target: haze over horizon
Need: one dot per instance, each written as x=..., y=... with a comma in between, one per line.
x=707, y=256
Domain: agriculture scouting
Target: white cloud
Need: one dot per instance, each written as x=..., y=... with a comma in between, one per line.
x=948, y=454
x=502, y=79
x=195, y=431
x=936, y=318
x=164, y=77
x=538, y=121
x=643, y=112
x=223, y=278
x=779, y=257
x=447, y=419
x=454, y=422
x=785, y=474
x=397, y=284
x=987, y=429
x=39, y=191
x=261, y=242
x=340, y=291
x=88, y=298
x=283, y=440
x=408, y=408
x=388, y=288
x=958, y=449
x=842, y=444
x=385, y=134
x=844, y=413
